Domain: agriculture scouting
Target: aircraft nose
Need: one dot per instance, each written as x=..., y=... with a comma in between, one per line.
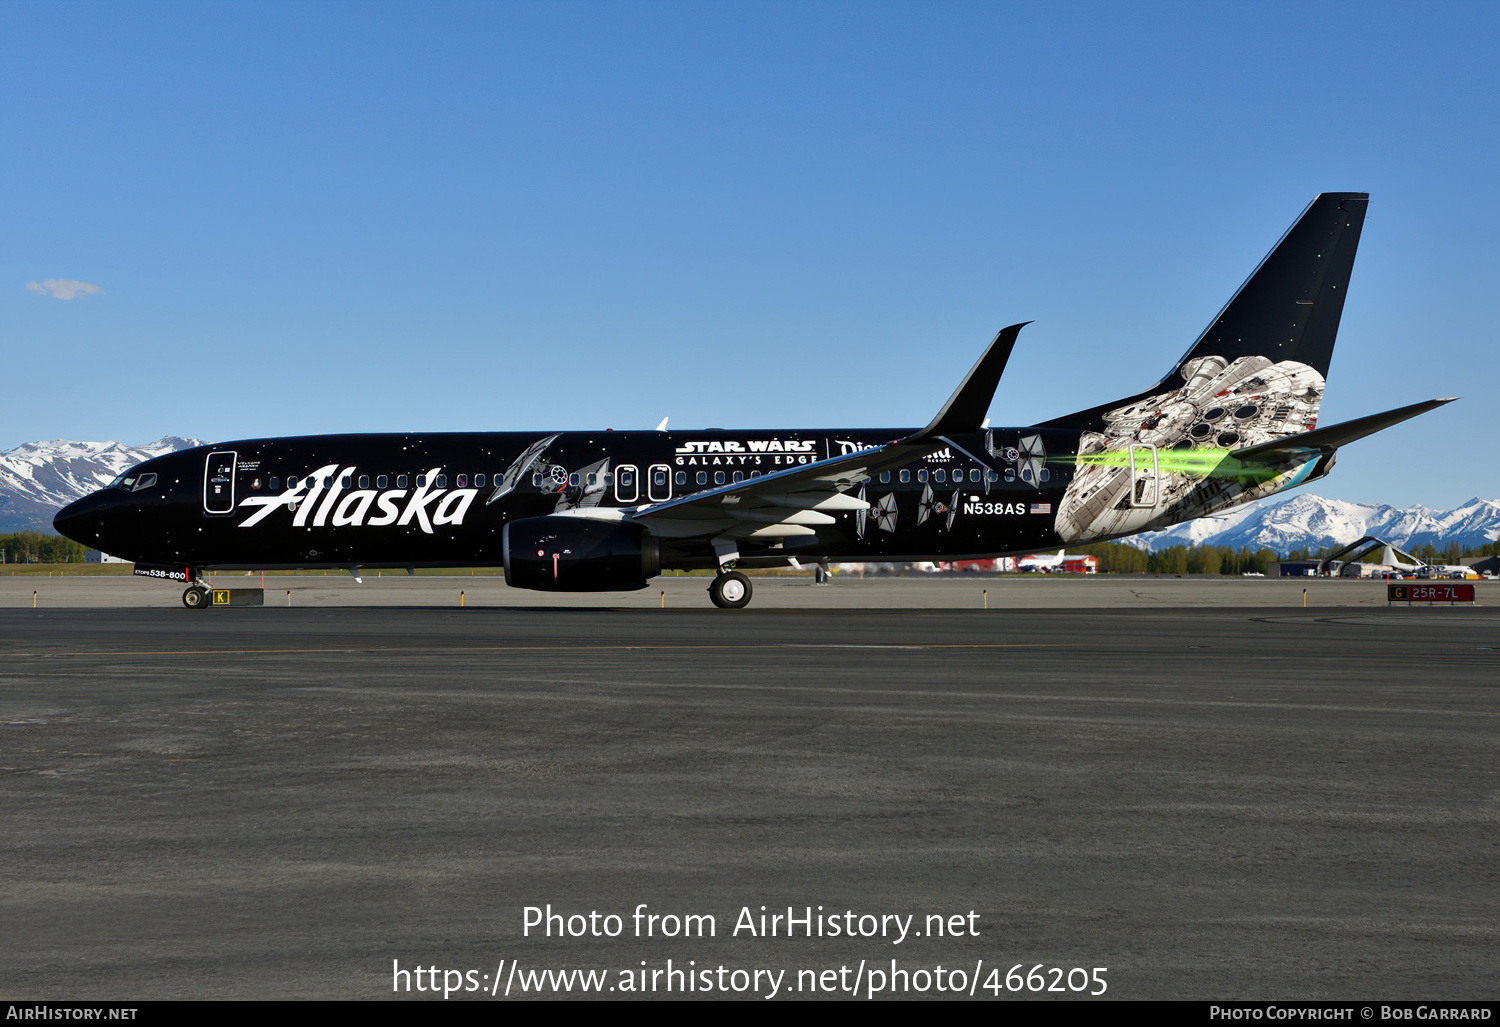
x=79, y=521
x=67, y=521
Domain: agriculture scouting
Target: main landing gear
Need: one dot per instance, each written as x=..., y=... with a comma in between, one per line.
x=195, y=597
x=730, y=591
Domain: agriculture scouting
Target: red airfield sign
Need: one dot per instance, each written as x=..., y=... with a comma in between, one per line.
x=1437, y=592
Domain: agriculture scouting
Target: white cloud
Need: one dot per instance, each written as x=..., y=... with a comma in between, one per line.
x=63, y=288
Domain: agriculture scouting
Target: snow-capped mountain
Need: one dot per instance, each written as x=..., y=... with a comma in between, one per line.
x=1313, y=522
x=39, y=478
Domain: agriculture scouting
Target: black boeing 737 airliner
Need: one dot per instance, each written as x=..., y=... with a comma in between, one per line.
x=1235, y=420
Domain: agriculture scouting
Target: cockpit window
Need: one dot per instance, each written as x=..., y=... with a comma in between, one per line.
x=132, y=482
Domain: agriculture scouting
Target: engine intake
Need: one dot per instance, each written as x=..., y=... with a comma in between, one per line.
x=573, y=554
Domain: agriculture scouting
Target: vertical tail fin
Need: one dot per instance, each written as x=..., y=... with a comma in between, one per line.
x=1287, y=313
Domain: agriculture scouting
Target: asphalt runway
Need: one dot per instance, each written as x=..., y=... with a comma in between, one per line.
x=1211, y=799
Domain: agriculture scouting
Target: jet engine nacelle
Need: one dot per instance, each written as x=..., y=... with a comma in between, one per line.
x=574, y=554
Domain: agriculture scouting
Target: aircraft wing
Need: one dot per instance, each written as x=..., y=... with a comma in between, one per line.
x=1328, y=439
x=799, y=500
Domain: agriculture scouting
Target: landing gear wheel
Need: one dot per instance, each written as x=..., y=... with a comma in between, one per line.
x=195, y=598
x=730, y=591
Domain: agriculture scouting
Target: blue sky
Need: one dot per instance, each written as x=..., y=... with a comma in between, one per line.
x=315, y=217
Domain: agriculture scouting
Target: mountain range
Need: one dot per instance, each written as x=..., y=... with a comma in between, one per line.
x=39, y=478
x=1312, y=522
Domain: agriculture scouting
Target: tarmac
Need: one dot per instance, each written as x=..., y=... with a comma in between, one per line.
x=1199, y=785
x=844, y=592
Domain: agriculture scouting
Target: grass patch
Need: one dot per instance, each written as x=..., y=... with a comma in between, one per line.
x=66, y=570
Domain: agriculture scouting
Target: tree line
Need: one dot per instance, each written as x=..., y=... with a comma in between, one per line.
x=34, y=547
x=1122, y=558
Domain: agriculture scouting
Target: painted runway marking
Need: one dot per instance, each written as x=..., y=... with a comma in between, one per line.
x=557, y=647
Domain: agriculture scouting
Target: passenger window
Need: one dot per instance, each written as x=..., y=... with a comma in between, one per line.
x=401, y=481
x=382, y=481
x=1010, y=474
x=658, y=478
x=461, y=482
x=1046, y=474
x=922, y=475
x=991, y=476
x=702, y=477
x=939, y=475
x=275, y=484
x=905, y=476
x=739, y=476
x=364, y=481
x=479, y=481
x=346, y=481
x=421, y=481
x=442, y=481
x=885, y=477
x=681, y=477
x=718, y=477
x=755, y=474
x=574, y=480
x=291, y=482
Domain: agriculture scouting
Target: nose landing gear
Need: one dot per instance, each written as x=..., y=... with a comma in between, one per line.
x=195, y=597
x=730, y=591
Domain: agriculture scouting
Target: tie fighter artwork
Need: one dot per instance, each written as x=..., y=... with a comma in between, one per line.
x=879, y=514
x=1032, y=458
x=931, y=506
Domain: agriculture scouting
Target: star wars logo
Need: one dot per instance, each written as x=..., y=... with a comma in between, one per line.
x=748, y=446
x=732, y=452
x=321, y=499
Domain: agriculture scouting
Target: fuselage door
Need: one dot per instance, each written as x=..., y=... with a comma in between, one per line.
x=1143, y=476
x=659, y=484
x=627, y=485
x=218, y=482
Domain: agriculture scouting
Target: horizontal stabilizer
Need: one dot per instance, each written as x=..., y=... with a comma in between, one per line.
x=964, y=412
x=1334, y=436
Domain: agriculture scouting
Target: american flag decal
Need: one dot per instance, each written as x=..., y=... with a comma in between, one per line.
x=1042, y=508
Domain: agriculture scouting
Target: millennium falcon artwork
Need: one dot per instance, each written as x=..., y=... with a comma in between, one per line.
x=1158, y=459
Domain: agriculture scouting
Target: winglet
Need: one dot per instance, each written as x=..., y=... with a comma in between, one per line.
x=964, y=412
